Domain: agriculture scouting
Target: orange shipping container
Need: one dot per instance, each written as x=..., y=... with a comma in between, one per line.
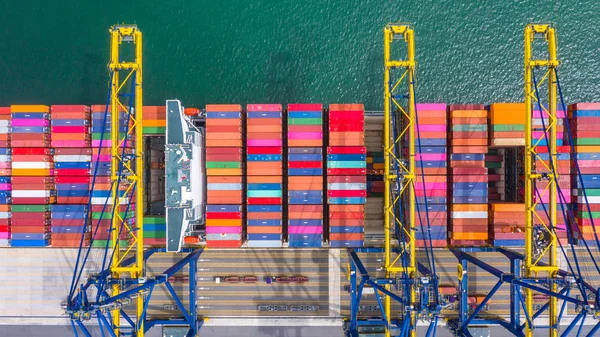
x=264, y=216
x=29, y=108
x=223, y=180
x=70, y=136
x=507, y=113
x=508, y=207
x=32, y=172
x=223, y=107
x=224, y=201
x=346, y=208
x=223, y=135
x=224, y=193
x=347, y=107
x=223, y=143
x=224, y=222
x=305, y=142
x=264, y=135
x=264, y=128
x=263, y=230
x=223, y=172
x=223, y=122
x=155, y=122
x=252, y=171
x=469, y=207
x=431, y=120
x=469, y=114
x=264, y=180
x=469, y=236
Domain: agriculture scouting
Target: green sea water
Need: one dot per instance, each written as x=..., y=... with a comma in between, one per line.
x=280, y=51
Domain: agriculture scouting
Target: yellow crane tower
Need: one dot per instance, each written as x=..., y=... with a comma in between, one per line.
x=126, y=163
x=399, y=147
x=540, y=260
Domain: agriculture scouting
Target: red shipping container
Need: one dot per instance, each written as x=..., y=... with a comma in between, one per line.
x=264, y=201
x=31, y=151
x=305, y=107
x=70, y=108
x=305, y=164
x=264, y=150
x=72, y=172
x=347, y=193
x=345, y=222
x=343, y=116
x=346, y=150
x=356, y=127
x=4, y=228
x=349, y=171
x=223, y=215
x=32, y=201
x=31, y=216
x=74, y=180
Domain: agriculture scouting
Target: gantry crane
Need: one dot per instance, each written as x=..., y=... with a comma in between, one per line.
x=537, y=270
x=402, y=271
x=121, y=280
x=126, y=168
x=543, y=170
x=399, y=174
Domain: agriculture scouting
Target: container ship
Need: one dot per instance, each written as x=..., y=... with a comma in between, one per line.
x=300, y=209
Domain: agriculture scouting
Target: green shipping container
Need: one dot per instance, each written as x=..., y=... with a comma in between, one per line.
x=508, y=128
x=30, y=208
x=305, y=121
x=223, y=164
x=154, y=130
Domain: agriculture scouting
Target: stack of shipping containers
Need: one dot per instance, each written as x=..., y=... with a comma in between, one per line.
x=32, y=176
x=431, y=169
x=305, y=175
x=584, y=121
x=264, y=170
x=225, y=175
x=100, y=172
x=507, y=136
x=5, y=179
x=375, y=184
x=346, y=175
x=71, y=142
x=469, y=212
x=155, y=226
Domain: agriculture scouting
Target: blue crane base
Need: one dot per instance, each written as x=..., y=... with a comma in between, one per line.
x=81, y=309
x=377, y=326
x=470, y=316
